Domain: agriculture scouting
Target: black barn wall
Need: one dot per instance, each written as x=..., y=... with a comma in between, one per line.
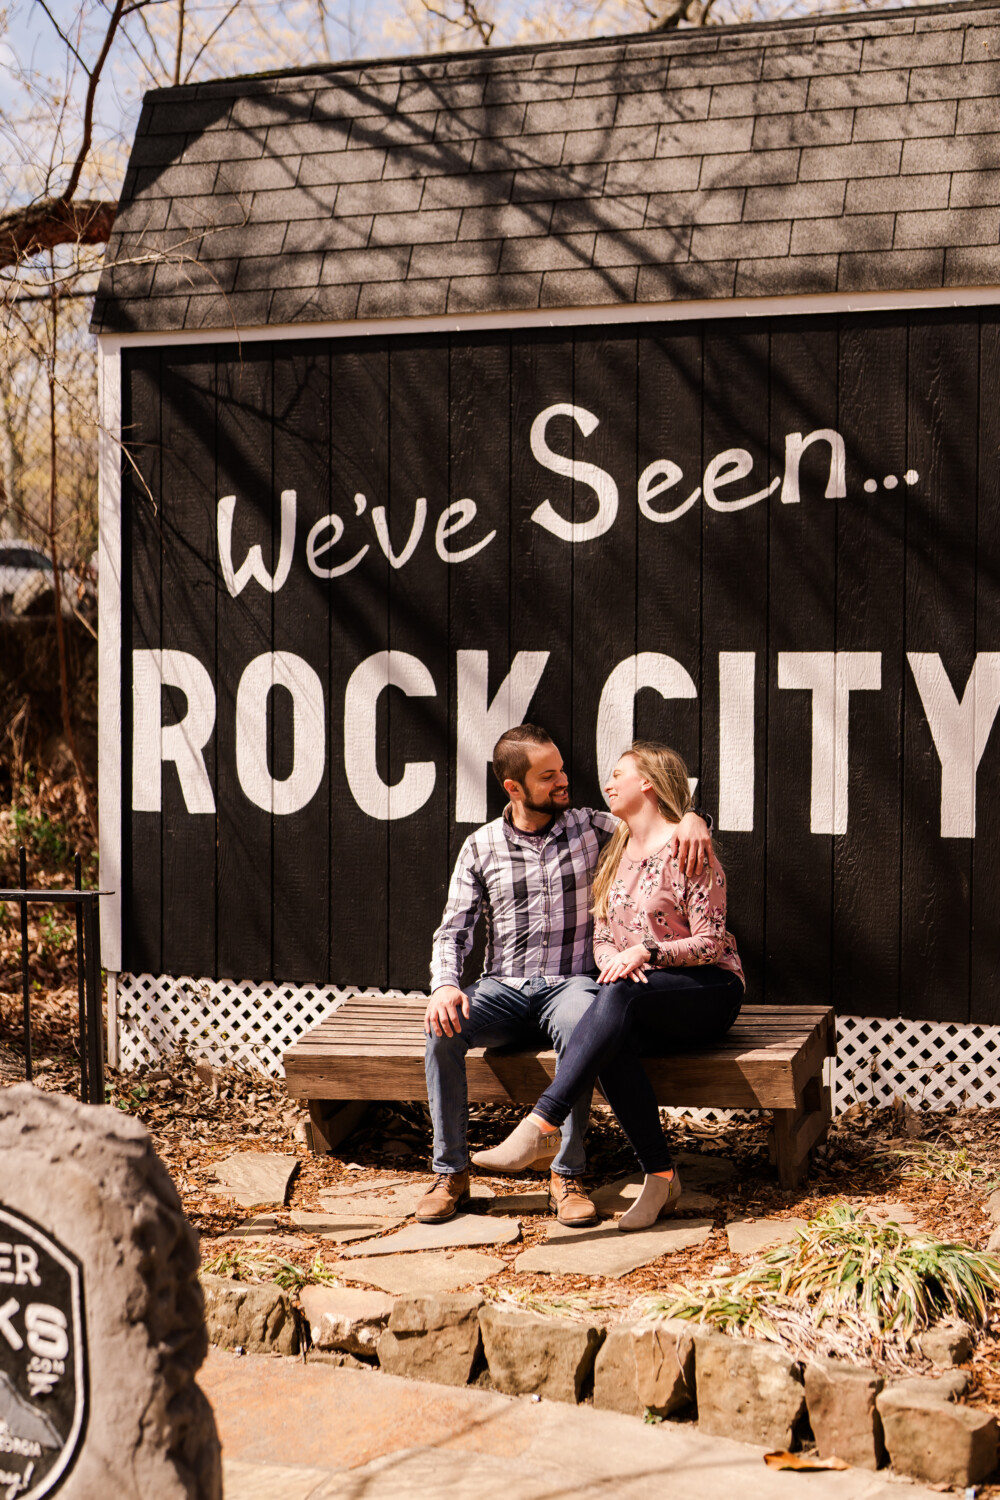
x=886, y=918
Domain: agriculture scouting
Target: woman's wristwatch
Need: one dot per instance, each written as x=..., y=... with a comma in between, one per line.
x=653, y=949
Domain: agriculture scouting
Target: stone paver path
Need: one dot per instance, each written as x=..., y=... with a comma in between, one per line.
x=706, y=1173
x=463, y=1229
x=310, y=1432
x=606, y=1251
x=255, y=1178
x=395, y=1200
x=422, y=1275
x=398, y=1202
x=341, y=1230
x=897, y=1213
x=370, y=1184
x=616, y=1197
x=748, y=1236
x=521, y=1203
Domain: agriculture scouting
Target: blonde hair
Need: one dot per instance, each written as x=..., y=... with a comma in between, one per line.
x=668, y=774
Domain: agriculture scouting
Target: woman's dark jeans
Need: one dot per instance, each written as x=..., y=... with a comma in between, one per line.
x=677, y=1008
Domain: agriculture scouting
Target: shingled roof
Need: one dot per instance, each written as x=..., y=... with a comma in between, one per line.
x=760, y=160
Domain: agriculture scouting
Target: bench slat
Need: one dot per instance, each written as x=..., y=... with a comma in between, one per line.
x=371, y=1048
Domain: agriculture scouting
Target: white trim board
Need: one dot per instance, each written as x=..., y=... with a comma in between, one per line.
x=109, y=635
x=110, y=347
x=812, y=305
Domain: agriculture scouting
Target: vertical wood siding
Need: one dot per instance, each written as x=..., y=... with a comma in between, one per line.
x=887, y=917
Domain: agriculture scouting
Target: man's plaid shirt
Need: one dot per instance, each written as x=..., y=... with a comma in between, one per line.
x=534, y=894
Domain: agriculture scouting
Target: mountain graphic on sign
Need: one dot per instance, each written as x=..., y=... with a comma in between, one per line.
x=22, y=1420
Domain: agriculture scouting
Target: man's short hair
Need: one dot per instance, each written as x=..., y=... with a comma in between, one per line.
x=510, y=755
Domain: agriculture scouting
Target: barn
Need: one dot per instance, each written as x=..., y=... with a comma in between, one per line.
x=643, y=385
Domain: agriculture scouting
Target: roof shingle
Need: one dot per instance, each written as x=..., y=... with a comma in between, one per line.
x=746, y=161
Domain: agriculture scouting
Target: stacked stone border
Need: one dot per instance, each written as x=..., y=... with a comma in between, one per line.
x=664, y=1370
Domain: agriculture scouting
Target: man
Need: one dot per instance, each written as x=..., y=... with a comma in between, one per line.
x=529, y=873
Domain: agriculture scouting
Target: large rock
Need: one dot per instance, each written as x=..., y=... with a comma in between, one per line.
x=529, y=1355
x=946, y=1344
x=748, y=1391
x=946, y=1387
x=341, y=1317
x=433, y=1338
x=934, y=1440
x=86, y=1204
x=256, y=1319
x=646, y=1367
x=840, y=1399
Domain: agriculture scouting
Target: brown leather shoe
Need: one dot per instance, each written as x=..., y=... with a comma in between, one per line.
x=569, y=1202
x=448, y=1193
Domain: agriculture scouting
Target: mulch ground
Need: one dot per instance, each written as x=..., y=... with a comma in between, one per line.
x=942, y=1165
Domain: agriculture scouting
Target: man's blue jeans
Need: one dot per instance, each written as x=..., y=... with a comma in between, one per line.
x=502, y=1016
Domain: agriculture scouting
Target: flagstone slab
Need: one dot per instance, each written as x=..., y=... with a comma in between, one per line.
x=348, y=1189
x=705, y=1172
x=521, y=1203
x=422, y=1275
x=397, y=1199
x=993, y=1207
x=606, y=1251
x=255, y=1178
x=463, y=1229
x=895, y=1213
x=262, y=1229
x=747, y=1236
x=341, y=1230
x=616, y=1197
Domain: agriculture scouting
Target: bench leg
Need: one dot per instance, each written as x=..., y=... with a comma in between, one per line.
x=332, y=1121
x=797, y=1131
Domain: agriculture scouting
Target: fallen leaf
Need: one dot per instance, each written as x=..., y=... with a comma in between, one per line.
x=802, y=1461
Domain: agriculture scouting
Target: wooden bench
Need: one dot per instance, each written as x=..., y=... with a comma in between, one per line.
x=373, y=1048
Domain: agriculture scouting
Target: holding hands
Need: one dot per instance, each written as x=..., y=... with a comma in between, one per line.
x=628, y=963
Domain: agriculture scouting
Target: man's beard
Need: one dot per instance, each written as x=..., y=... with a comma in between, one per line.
x=547, y=805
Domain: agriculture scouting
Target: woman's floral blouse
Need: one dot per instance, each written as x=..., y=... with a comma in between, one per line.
x=683, y=917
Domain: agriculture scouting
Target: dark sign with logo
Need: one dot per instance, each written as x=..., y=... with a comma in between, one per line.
x=43, y=1363
x=349, y=564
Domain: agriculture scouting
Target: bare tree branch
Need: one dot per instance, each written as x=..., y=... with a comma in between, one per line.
x=468, y=19
x=94, y=78
x=209, y=40
x=62, y=35
x=179, y=52
x=51, y=222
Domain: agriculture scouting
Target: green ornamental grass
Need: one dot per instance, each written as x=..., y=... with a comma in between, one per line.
x=846, y=1285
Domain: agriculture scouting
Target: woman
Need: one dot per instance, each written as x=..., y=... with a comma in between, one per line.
x=672, y=972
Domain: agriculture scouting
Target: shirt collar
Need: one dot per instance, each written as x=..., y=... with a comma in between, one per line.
x=513, y=832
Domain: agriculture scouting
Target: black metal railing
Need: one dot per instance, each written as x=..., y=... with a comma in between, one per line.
x=90, y=1016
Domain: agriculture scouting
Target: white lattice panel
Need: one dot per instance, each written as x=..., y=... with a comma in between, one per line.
x=930, y=1064
x=222, y=1020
